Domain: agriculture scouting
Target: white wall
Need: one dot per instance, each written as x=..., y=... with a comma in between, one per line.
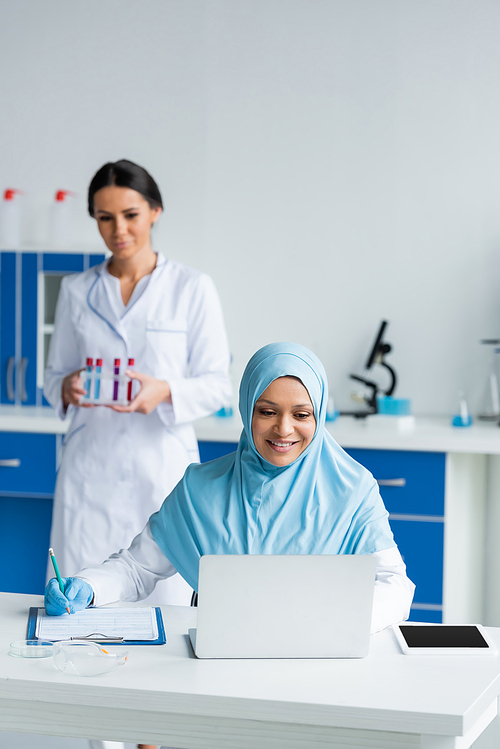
x=330, y=162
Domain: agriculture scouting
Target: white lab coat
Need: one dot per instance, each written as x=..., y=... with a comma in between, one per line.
x=117, y=468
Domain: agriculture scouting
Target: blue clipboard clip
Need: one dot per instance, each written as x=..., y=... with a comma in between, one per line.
x=97, y=637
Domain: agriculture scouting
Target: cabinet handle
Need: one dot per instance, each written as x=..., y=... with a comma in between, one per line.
x=391, y=482
x=10, y=463
x=22, y=379
x=10, y=379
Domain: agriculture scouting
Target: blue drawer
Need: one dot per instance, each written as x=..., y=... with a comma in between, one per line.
x=423, y=473
x=36, y=473
x=24, y=539
x=421, y=544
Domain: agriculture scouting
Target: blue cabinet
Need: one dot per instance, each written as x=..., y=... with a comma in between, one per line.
x=27, y=481
x=412, y=485
x=29, y=285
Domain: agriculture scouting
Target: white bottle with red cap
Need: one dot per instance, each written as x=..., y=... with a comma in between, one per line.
x=61, y=220
x=10, y=220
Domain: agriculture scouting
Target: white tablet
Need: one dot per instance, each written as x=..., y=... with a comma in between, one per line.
x=443, y=639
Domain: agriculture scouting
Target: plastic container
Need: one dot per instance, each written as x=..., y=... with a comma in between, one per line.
x=10, y=220
x=225, y=412
x=331, y=411
x=491, y=411
x=61, y=220
x=389, y=406
x=463, y=418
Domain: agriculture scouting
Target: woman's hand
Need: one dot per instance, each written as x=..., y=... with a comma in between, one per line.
x=76, y=597
x=73, y=390
x=152, y=393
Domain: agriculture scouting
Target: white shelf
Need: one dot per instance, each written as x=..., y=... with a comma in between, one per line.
x=36, y=419
x=429, y=434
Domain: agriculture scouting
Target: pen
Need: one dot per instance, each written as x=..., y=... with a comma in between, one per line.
x=58, y=574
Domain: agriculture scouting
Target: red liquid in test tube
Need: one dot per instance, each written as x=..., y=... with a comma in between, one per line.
x=131, y=363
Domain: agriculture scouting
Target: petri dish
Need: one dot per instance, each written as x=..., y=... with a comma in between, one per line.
x=31, y=649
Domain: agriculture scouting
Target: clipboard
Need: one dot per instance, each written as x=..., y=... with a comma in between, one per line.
x=160, y=640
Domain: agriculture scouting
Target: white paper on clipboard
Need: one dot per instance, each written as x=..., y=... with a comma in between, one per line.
x=127, y=623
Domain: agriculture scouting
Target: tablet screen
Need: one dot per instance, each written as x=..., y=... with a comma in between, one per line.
x=458, y=636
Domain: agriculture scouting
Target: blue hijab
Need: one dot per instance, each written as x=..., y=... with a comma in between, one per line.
x=322, y=503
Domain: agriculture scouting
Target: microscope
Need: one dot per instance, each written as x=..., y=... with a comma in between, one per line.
x=378, y=351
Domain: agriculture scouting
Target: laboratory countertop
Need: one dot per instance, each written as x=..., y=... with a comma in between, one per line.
x=432, y=434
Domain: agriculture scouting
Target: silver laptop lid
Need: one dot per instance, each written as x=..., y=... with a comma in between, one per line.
x=285, y=606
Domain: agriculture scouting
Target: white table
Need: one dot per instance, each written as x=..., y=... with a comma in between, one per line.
x=165, y=695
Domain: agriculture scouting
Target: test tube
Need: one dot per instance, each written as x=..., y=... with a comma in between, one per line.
x=115, y=384
x=131, y=363
x=97, y=381
x=89, y=367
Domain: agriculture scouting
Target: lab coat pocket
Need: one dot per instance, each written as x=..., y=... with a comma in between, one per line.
x=167, y=349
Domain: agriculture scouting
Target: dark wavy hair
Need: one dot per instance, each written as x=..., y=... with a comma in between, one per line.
x=125, y=173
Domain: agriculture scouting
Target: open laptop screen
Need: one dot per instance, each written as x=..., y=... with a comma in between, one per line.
x=285, y=606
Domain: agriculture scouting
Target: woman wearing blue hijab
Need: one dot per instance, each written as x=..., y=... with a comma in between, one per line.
x=288, y=489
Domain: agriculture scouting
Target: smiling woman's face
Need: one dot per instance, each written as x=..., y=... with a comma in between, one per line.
x=124, y=219
x=283, y=422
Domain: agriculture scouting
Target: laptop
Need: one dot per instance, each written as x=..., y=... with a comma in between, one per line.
x=284, y=606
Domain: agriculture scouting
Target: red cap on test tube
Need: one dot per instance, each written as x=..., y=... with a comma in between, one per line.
x=117, y=362
x=131, y=362
x=89, y=362
x=98, y=362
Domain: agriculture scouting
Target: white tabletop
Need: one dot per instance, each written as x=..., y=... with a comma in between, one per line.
x=164, y=693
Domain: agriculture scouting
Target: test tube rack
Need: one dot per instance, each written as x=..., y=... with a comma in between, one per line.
x=122, y=381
